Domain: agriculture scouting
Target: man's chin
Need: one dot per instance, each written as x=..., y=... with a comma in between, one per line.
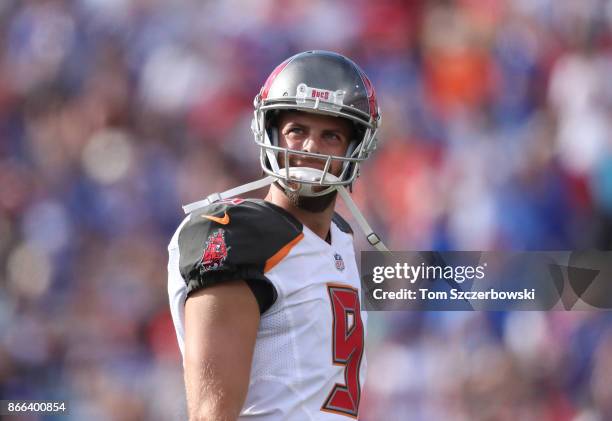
x=300, y=187
x=314, y=204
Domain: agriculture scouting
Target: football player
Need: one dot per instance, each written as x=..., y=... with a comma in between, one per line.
x=264, y=294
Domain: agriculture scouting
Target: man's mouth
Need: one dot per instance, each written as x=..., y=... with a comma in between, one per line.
x=310, y=163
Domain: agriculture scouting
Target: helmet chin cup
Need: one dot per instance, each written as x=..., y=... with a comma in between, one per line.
x=306, y=181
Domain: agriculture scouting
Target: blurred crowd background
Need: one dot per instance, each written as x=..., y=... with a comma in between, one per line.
x=496, y=135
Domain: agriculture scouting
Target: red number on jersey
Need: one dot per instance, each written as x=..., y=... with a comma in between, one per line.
x=347, y=349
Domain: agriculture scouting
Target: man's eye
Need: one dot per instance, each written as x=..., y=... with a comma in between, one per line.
x=296, y=130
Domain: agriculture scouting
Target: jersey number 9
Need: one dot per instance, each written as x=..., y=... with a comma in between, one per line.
x=347, y=349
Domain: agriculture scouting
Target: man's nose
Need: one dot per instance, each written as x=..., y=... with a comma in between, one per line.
x=311, y=143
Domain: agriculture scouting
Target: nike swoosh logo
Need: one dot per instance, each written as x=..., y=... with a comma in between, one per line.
x=223, y=221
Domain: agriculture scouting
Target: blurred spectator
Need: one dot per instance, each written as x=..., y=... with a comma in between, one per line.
x=113, y=113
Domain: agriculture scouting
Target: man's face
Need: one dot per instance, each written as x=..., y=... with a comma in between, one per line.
x=308, y=132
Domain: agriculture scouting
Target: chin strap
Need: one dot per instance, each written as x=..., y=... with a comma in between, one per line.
x=236, y=191
x=371, y=236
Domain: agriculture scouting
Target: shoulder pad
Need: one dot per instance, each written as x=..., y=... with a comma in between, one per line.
x=232, y=240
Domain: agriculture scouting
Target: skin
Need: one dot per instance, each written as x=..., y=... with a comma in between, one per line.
x=221, y=322
x=220, y=329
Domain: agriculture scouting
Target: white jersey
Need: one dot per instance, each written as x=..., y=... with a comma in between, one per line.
x=309, y=361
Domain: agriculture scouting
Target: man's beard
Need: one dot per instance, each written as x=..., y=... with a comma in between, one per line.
x=315, y=204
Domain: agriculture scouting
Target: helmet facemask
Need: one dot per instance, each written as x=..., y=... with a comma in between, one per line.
x=310, y=182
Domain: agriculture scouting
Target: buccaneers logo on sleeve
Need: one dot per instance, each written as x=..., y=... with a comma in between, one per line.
x=215, y=251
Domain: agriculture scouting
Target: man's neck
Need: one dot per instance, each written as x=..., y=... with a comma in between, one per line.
x=317, y=222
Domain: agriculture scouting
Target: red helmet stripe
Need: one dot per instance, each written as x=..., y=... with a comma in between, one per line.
x=266, y=88
x=371, y=95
